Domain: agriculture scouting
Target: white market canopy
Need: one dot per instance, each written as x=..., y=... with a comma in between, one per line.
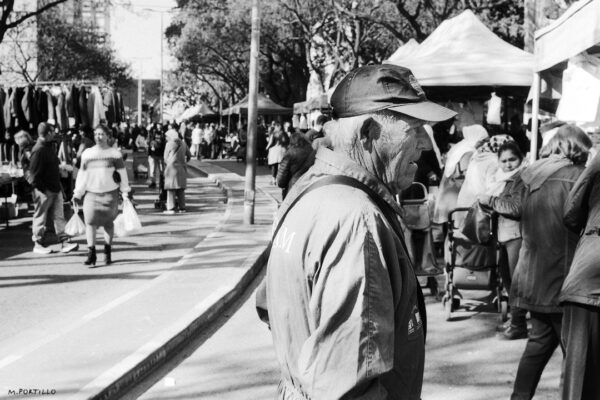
x=462, y=51
x=201, y=109
x=266, y=106
x=404, y=51
x=577, y=30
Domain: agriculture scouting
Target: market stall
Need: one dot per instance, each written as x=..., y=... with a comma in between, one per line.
x=570, y=48
x=199, y=110
x=265, y=106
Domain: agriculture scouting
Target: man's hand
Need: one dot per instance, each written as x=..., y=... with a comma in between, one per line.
x=77, y=202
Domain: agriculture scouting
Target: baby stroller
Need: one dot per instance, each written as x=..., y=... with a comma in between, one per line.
x=140, y=164
x=418, y=212
x=472, y=266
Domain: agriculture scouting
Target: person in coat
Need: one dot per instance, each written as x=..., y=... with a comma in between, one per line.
x=537, y=200
x=580, y=293
x=176, y=156
x=296, y=160
x=342, y=298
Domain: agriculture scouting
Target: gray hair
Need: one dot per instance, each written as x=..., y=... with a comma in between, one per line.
x=344, y=133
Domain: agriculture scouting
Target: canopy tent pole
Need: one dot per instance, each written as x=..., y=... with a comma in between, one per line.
x=535, y=109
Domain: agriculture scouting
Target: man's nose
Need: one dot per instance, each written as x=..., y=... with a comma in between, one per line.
x=423, y=140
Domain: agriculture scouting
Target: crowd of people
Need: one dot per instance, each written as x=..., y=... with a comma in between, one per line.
x=340, y=286
x=338, y=289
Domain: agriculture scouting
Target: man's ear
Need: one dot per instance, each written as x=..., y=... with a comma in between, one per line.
x=369, y=131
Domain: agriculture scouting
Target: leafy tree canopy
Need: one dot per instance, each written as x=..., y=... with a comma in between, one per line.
x=76, y=51
x=312, y=42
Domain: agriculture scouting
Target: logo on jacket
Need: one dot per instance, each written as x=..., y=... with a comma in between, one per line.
x=284, y=240
x=414, y=323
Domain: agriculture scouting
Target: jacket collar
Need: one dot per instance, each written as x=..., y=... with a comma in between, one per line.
x=328, y=162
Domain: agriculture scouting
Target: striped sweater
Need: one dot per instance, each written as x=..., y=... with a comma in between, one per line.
x=96, y=173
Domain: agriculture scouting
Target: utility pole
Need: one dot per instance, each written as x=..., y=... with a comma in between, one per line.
x=139, y=99
x=249, y=191
x=161, y=67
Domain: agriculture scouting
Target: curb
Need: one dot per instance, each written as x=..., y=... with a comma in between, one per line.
x=115, y=382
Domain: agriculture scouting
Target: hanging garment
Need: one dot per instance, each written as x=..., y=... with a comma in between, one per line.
x=8, y=118
x=51, y=105
x=27, y=106
x=95, y=107
x=61, y=112
x=109, y=107
x=17, y=109
x=2, y=124
x=119, y=107
x=83, y=108
x=42, y=104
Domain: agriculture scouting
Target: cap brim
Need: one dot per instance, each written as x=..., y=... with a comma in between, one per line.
x=425, y=111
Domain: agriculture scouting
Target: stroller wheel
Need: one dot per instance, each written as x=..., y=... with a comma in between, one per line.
x=447, y=308
x=504, y=310
x=455, y=303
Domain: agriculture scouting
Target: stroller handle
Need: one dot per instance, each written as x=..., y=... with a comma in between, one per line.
x=455, y=210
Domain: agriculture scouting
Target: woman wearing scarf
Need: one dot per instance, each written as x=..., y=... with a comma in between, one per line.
x=176, y=156
x=511, y=163
x=537, y=200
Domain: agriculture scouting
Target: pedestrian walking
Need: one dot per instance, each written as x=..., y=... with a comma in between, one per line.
x=343, y=300
x=275, y=150
x=156, y=149
x=197, y=134
x=177, y=155
x=44, y=177
x=537, y=200
x=580, y=294
x=297, y=159
x=101, y=177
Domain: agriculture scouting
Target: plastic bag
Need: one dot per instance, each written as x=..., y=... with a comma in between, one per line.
x=131, y=221
x=119, y=226
x=75, y=226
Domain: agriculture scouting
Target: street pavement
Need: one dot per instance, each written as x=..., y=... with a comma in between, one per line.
x=76, y=330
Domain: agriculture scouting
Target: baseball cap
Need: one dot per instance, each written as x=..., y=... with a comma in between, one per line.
x=384, y=87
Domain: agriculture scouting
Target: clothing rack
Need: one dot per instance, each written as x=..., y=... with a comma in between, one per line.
x=57, y=83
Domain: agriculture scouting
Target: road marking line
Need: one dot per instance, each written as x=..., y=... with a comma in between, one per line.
x=107, y=307
x=138, y=356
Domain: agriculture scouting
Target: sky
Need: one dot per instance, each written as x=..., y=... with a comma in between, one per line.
x=136, y=35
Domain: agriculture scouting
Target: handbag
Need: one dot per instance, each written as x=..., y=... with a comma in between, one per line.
x=417, y=211
x=478, y=224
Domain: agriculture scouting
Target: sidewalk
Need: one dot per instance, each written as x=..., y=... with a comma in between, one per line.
x=179, y=271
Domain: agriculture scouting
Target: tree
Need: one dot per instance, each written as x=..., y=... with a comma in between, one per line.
x=314, y=41
x=10, y=18
x=210, y=39
x=68, y=51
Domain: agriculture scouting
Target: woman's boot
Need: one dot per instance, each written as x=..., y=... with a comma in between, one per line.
x=91, y=256
x=107, y=256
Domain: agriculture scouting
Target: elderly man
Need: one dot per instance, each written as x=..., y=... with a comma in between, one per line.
x=344, y=305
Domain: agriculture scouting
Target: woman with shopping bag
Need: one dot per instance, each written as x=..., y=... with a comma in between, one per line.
x=101, y=177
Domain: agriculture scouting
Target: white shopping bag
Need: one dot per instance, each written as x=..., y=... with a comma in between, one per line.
x=131, y=220
x=119, y=224
x=75, y=226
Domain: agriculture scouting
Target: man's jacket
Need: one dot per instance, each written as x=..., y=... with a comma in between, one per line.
x=341, y=293
x=43, y=168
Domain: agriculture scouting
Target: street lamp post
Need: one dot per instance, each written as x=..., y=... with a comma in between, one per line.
x=249, y=190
